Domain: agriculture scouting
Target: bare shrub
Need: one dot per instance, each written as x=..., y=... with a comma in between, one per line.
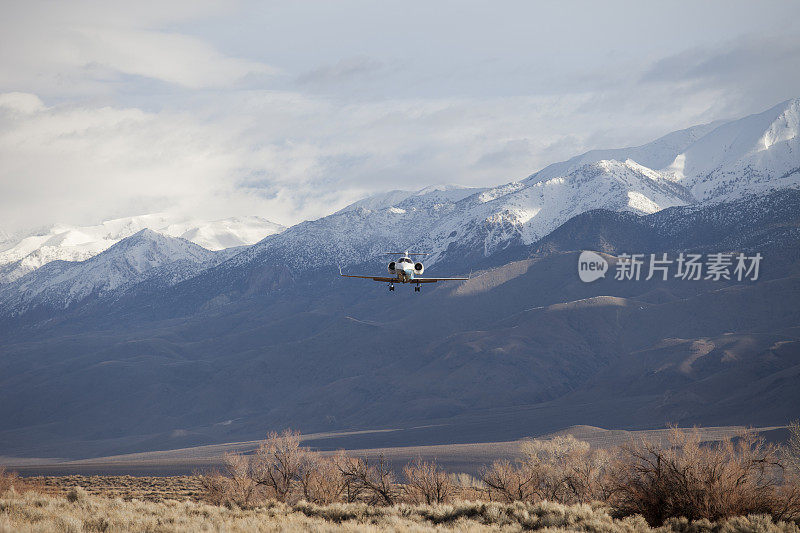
x=463, y=480
x=235, y=487
x=685, y=478
x=321, y=480
x=427, y=483
x=550, y=466
x=593, y=475
x=567, y=470
x=562, y=469
x=274, y=471
x=11, y=480
x=8, y=480
x=372, y=483
x=277, y=463
x=280, y=469
x=347, y=467
x=214, y=487
x=509, y=482
x=701, y=481
x=468, y=487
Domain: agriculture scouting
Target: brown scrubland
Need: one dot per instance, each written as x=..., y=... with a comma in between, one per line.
x=561, y=483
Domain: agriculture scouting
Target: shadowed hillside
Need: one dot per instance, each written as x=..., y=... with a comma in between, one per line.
x=522, y=348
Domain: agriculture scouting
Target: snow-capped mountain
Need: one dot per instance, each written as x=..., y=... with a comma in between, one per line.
x=22, y=254
x=657, y=154
x=756, y=154
x=522, y=213
x=719, y=161
x=361, y=231
x=144, y=256
x=481, y=219
x=715, y=162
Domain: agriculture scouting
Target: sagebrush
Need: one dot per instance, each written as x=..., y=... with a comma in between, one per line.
x=36, y=513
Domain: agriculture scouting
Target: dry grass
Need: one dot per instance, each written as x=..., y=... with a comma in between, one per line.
x=792, y=451
x=33, y=512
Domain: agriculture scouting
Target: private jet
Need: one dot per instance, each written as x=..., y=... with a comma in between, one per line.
x=404, y=270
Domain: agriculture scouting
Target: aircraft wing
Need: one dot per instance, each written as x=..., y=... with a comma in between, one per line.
x=373, y=278
x=434, y=280
x=395, y=280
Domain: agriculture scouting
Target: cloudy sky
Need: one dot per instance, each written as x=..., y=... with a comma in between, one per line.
x=292, y=109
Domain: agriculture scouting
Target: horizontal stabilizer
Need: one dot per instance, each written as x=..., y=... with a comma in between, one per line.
x=406, y=253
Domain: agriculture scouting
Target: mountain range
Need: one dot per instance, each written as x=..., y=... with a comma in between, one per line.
x=28, y=251
x=155, y=341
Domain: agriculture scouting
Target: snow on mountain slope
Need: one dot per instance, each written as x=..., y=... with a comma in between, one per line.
x=657, y=154
x=719, y=161
x=70, y=243
x=146, y=255
x=356, y=233
x=754, y=154
x=525, y=212
x=433, y=194
x=487, y=220
x=225, y=233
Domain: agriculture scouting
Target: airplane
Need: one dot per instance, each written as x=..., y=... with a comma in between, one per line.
x=404, y=270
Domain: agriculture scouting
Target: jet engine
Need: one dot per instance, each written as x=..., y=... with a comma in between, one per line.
x=418, y=268
x=391, y=267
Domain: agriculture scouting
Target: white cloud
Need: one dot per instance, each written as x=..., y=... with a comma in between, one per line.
x=752, y=69
x=279, y=155
x=168, y=57
x=21, y=102
x=74, y=49
x=113, y=109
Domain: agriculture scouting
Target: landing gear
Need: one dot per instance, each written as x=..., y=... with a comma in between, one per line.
x=417, y=289
x=391, y=286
